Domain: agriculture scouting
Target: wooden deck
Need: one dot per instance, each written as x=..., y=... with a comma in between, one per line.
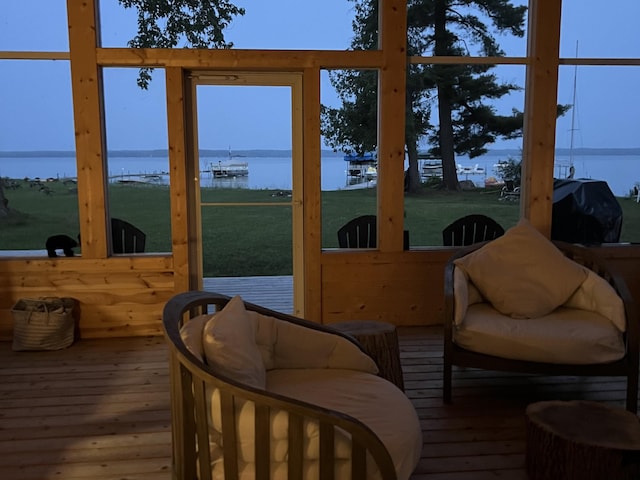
x=274, y=292
x=100, y=410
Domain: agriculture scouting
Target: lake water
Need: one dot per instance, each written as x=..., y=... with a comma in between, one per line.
x=621, y=172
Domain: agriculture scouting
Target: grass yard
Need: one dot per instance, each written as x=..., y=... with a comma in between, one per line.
x=253, y=239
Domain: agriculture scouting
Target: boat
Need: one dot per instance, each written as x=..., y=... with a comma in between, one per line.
x=362, y=167
x=139, y=178
x=470, y=170
x=430, y=168
x=229, y=168
x=565, y=167
x=222, y=169
x=371, y=172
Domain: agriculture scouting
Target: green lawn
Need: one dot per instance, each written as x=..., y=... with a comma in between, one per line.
x=251, y=240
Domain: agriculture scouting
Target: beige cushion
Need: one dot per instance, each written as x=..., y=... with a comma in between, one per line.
x=288, y=345
x=367, y=397
x=229, y=341
x=191, y=333
x=522, y=273
x=465, y=294
x=597, y=295
x=566, y=336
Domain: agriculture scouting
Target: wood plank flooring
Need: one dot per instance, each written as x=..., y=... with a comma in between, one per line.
x=100, y=410
x=274, y=292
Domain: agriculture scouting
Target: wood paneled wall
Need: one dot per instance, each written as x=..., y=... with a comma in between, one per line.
x=125, y=296
x=122, y=296
x=117, y=296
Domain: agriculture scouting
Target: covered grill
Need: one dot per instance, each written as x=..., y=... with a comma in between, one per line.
x=585, y=211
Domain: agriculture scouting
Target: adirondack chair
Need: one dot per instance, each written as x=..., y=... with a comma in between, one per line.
x=126, y=238
x=471, y=229
x=359, y=232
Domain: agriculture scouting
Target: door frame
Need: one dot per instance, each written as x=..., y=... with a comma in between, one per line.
x=293, y=80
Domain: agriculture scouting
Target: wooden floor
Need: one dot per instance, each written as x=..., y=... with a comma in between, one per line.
x=100, y=410
x=274, y=292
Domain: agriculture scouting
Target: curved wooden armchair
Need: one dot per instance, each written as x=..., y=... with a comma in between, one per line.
x=196, y=385
x=627, y=366
x=471, y=229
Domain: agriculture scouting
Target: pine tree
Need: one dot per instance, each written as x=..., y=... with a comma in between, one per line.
x=5, y=211
x=459, y=93
x=184, y=23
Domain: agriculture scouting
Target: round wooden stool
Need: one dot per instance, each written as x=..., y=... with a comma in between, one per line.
x=580, y=440
x=380, y=341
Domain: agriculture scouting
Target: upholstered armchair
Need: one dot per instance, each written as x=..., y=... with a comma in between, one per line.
x=523, y=303
x=258, y=394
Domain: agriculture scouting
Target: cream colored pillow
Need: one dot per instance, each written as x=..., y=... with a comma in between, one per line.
x=597, y=295
x=229, y=341
x=191, y=333
x=287, y=345
x=522, y=274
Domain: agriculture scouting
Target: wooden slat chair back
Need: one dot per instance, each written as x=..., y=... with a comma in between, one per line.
x=126, y=238
x=471, y=229
x=359, y=232
x=627, y=366
x=193, y=381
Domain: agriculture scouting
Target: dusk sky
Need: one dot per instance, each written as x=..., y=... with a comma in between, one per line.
x=35, y=97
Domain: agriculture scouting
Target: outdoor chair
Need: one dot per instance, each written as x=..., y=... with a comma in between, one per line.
x=471, y=229
x=258, y=394
x=509, y=191
x=523, y=303
x=126, y=238
x=359, y=232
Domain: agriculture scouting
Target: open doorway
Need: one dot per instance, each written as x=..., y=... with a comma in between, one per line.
x=247, y=145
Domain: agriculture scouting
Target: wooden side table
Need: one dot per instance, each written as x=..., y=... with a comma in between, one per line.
x=581, y=440
x=380, y=341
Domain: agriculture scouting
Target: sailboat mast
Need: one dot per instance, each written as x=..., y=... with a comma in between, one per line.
x=573, y=109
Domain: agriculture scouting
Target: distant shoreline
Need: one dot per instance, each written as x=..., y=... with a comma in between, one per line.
x=160, y=153
x=285, y=153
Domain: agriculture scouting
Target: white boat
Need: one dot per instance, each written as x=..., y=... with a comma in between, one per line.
x=229, y=168
x=362, y=166
x=470, y=170
x=431, y=168
x=371, y=172
x=222, y=169
x=565, y=167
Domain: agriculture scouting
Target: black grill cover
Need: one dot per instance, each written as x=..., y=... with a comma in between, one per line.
x=585, y=211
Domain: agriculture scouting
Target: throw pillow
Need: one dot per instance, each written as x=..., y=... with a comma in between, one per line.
x=522, y=274
x=229, y=340
x=191, y=333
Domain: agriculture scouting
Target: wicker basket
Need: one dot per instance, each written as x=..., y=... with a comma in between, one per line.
x=43, y=323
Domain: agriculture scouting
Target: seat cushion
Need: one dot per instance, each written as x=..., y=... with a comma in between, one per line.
x=566, y=336
x=522, y=273
x=374, y=401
